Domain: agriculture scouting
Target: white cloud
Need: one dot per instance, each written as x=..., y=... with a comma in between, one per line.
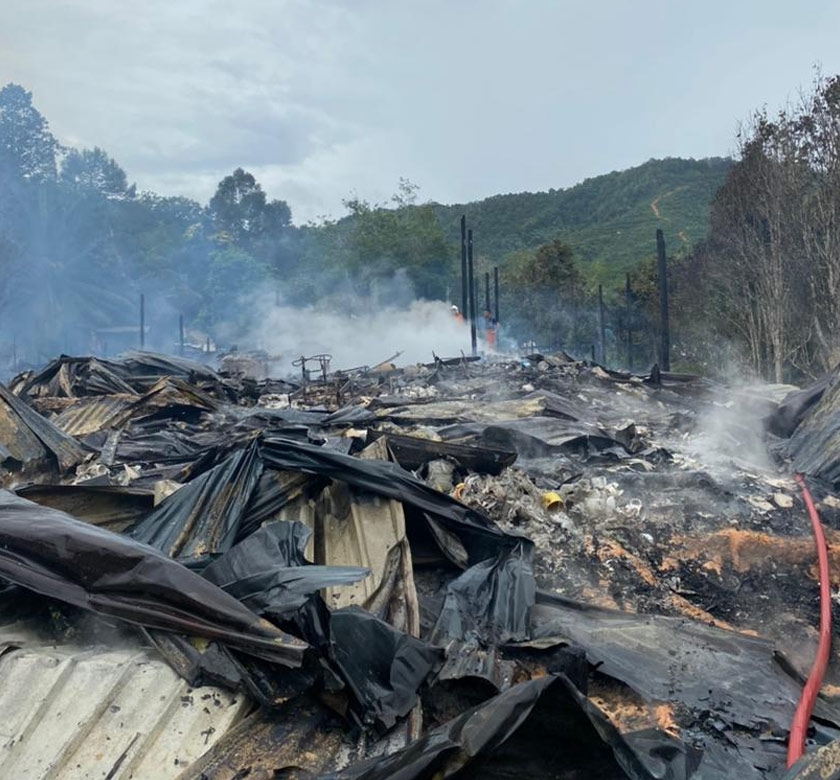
x=320, y=97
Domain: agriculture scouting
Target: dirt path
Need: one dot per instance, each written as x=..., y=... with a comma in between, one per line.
x=654, y=204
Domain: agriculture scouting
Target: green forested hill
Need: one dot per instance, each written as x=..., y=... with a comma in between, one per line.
x=609, y=220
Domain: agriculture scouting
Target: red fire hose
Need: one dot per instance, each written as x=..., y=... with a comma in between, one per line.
x=799, y=724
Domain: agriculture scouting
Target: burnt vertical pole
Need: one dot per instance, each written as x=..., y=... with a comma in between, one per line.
x=464, y=311
x=487, y=292
x=602, y=333
x=142, y=320
x=471, y=282
x=628, y=307
x=496, y=290
x=181, y=333
x=664, y=328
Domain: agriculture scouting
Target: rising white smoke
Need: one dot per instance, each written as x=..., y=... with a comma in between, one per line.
x=364, y=336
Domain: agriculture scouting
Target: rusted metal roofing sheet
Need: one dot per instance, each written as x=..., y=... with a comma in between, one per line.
x=23, y=428
x=92, y=414
x=68, y=713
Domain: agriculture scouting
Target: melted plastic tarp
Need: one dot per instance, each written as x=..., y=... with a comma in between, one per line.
x=268, y=572
x=796, y=405
x=382, y=667
x=491, y=600
x=543, y=729
x=480, y=539
x=814, y=446
x=699, y=668
x=56, y=555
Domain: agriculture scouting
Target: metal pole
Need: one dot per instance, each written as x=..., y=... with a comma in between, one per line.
x=181, y=332
x=628, y=300
x=664, y=329
x=487, y=291
x=496, y=286
x=601, y=330
x=142, y=320
x=470, y=273
x=464, y=311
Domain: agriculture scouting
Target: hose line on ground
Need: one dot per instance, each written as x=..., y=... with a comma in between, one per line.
x=799, y=724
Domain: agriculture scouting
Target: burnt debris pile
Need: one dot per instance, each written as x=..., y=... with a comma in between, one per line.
x=527, y=567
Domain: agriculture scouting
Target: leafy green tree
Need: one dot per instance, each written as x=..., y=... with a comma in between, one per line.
x=406, y=237
x=94, y=170
x=27, y=147
x=240, y=210
x=546, y=298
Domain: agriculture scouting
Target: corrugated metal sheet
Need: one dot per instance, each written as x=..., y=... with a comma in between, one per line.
x=92, y=414
x=23, y=423
x=109, y=506
x=71, y=713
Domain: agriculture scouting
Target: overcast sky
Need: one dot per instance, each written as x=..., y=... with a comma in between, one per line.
x=467, y=98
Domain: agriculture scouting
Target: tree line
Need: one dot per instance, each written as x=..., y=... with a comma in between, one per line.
x=78, y=243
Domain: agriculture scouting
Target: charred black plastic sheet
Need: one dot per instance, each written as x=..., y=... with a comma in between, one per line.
x=815, y=444
x=56, y=555
x=491, y=601
x=480, y=538
x=796, y=405
x=383, y=667
x=201, y=520
x=268, y=572
x=542, y=729
x=411, y=452
x=33, y=430
x=542, y=437
x=699, y=668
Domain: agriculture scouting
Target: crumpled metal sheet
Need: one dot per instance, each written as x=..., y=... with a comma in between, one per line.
x=23, y=432
x=111, y=506
x=56, y=555
x=76, y=377
x=201, y=520
x=97, y=413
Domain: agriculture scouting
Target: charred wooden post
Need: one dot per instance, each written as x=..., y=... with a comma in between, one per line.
x=142, y=320
x=496, y=290
x=602, y=334
x=181, y=334
x=464, y=265
x=664, y=327
x=470, y=275
x=487, y=291
x=628, y=304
